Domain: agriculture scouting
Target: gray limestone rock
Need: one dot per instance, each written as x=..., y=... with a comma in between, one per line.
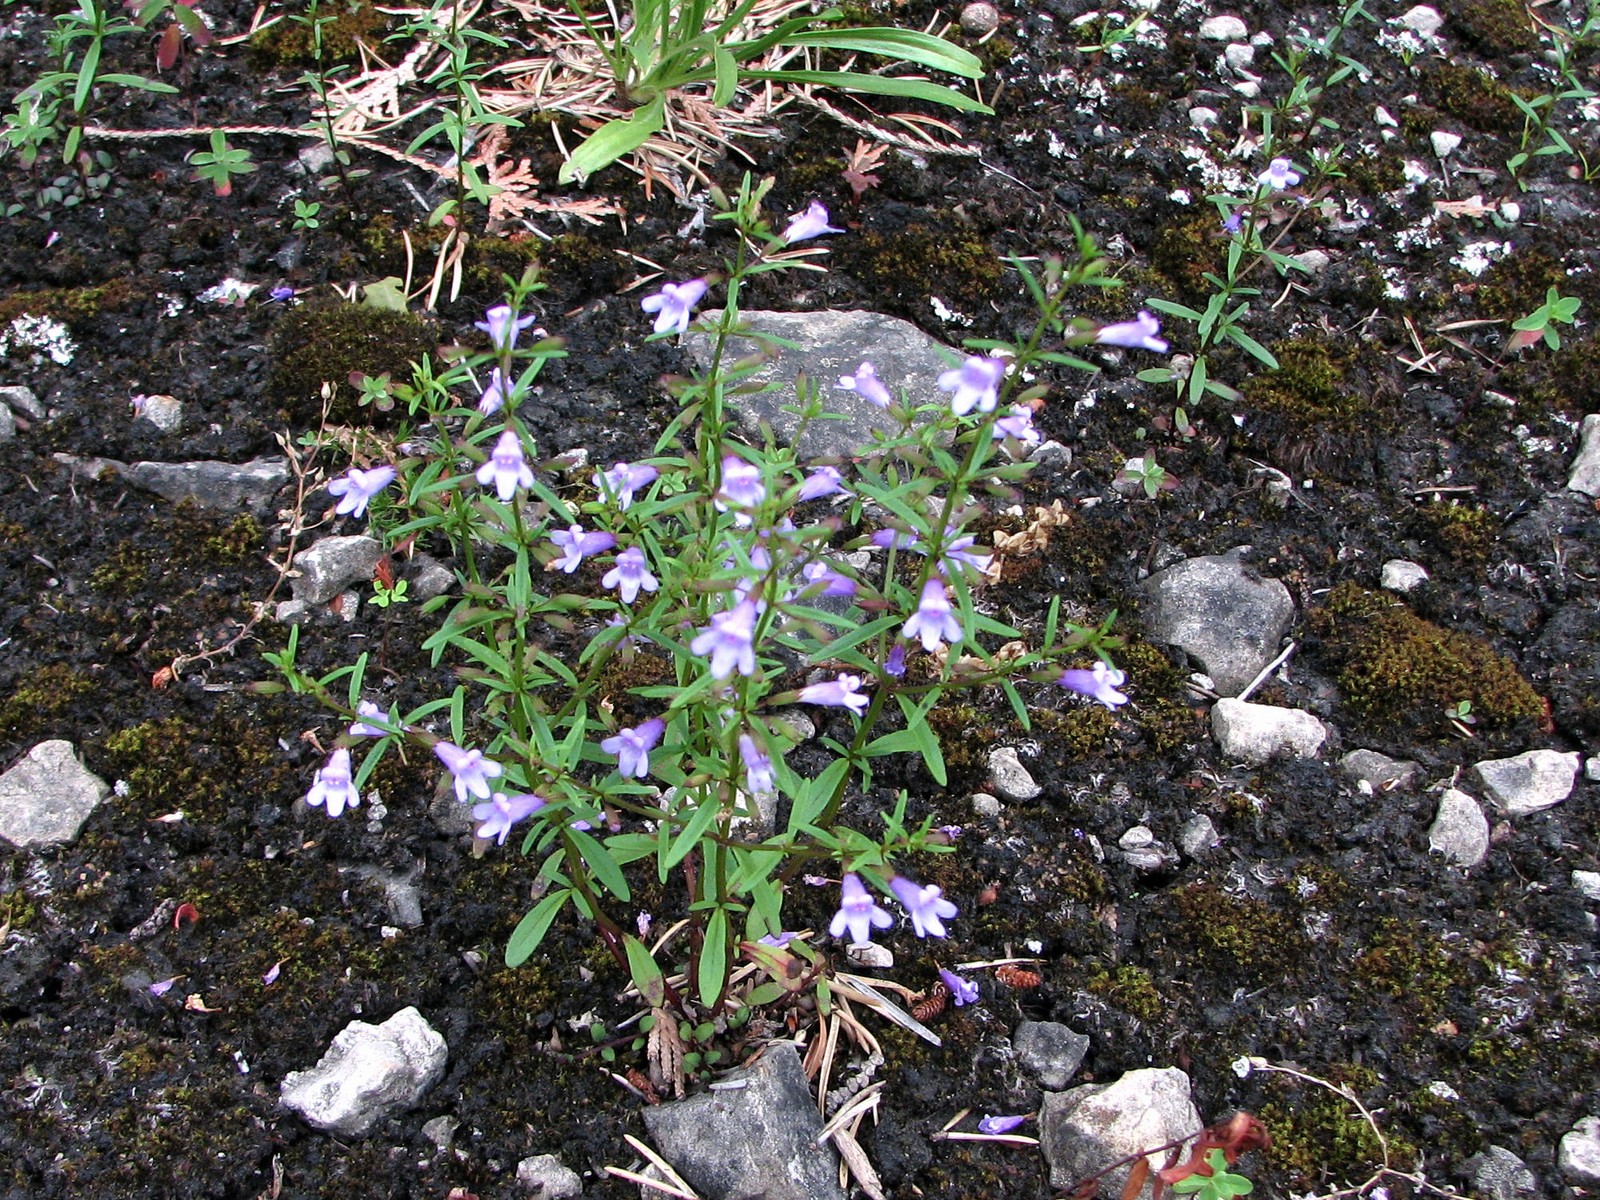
x=164, y=412
x=1257, y=733
x=1498, y=1174
x=428, y=578
x=1011, y=779
x=333, y=563
x=47, y=796
x=22, y=400
x=1459, y=831
x=829, y=345
x=1402, y=575
x=548, y=1178
x=1083, y=1130
x=219, y=485
x=1579, y=1156
x=1218, y=610
x=1378, y=771
x=1586, y=467
x=749, y=1142
x=1588, y=884
x=1198, y=835
x=1423, y=20
x=1530, y=782
x=8, y=424
x=986, y=806
x=1224, y=28
x=1050, y=1050
x=369, y=1073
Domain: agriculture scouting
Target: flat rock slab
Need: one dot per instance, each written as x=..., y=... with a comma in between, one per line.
x=1459, y=831
x=755, y=1141
x=46, y=798
x=210, y=484
x=1378, y=771
x=828, y=345
x=369, y=1073
x=332, y=564
x=1257, y=733
x=1220, y=612
x=1051, y=1050
x=1531, y=782
x=1086, y=1129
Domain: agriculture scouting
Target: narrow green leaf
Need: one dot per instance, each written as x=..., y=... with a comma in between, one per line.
x=646, y=974
x=598, y=859
x=704, y=814
x=727, y=78
x=879, y=85
x=907, y=45
x=530, y=931
x=612, y=140
x=713, y=971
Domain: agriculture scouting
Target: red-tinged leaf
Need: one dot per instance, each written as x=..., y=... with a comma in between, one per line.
x=162, y=677
x=383, y=572
x=169, y=48
x=1137, y=1174
x=186, y=912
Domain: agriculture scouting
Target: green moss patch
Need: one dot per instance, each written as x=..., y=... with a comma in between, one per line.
x=317, y=345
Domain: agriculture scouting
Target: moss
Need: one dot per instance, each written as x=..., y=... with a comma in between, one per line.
x=68, y=305
x=921, y=261
x=171, y=765
x=1164, y=720
x=1409, y=964
x=344, y=24
x=1466, y=533
x=1400, y=671
x=124, y=573
x=1565, y=382
x=966, y=757
x=1517, y=284
x=1471, y=95
x=1080, y=731
x=317, y=345
x=201, y=535
x=1319, y=1137
x=1185, y=250
x=1129, y=988
x=1372, y=174
x=42, y=696
x=384, y=243
x=1493, y=27
x=1239, y=931
x=1308, y=386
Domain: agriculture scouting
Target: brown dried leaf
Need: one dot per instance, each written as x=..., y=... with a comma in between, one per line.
x=665, y=1051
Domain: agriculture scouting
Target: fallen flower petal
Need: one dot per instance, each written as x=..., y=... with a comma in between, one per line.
x=999, y=1124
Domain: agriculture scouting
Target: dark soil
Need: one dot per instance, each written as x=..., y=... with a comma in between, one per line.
x=1322, y=933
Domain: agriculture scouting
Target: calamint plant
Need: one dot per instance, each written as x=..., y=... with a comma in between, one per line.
x=731, y=569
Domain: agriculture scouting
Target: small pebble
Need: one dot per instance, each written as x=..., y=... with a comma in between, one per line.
x=980, y=19
x=1444, y=143
x=1224, y=28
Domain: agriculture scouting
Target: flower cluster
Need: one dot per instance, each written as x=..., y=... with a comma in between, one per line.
x=860, y=914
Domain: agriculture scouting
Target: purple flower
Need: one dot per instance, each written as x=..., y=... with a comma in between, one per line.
x=333, y=786
x=623, y=480
x=959, y=550
x=1137, y=334
x=962, y=991
x=1280, y=174
x=500, y=812
x=741, y=488
x=1099, y=682
x=1017, y=424
x=281, y=295
x=809, y=224
x=895, y=664
x=674, y=304
x=858, y=912
x=1233, y=222
x=729, y=641
x=833, y=583
x=632, y=747
x=367, y=709
x=495, y=394
x=777, y=940
x=999, y=1124
x=358, y=487
x=897, y=539
x=933, y=619
x=824, y=481
x=840, y=693
x=630, y=574
x=758, y=779
x=502, y=326
x=866, y=384
x=471, y=770
x=926, y=906
x=576, y=545
x=976, y=384
x=507, y=469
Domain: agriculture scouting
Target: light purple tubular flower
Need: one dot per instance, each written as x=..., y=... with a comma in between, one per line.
x=959, y=550
x=471, y=770
x=933, y=619
x=506, y=469
x=674, y=304
x=840, y=693
x=858, y=912
x=1232, y=223
x=1100, y=682
x=281, y=295
x=502, y=326
x=926, y=906
x=730, y=641
x=333, y=786
x=1137, y=334
x=1018, y=423
x=576, y=545
x=777, y=940
x=623, y=480
x=833, y=583
x=632, y=747
x=495, y=393
x=367, y=710
x=809, y=224
x=975, y=384
x=357, y=487
x=962, y=991
x=824, y=481
x=758, y=779
x=631, y=573
x=999, y=1124
x=895, y=664
x=741, y=488
x=866, y=384
x=1280, y=174
x=897, y=539
x=500, y=812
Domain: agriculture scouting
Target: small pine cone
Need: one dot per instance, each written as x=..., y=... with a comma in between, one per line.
x=931, y=1005
x=1018, y=977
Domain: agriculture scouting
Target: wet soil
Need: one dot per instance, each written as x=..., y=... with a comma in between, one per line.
x=1460, y=1005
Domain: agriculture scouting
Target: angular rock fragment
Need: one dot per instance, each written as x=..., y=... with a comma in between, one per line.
x=1256, y=733
x=1217, y=610
x=46, y=798
x=1459, y=831
x=1530, y=782
x=1084, y=1130
x=369, y=1073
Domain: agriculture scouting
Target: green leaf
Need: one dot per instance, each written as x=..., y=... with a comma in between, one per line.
x=599, y=860
x=713, y=971
x=727, y=77
x=646, y=974
x=1253, y=347
x=704, y=814
x=530, y=931
x=1173, y=310
x=907, y=45
x=612, y=140
x=879, y=85
x=387, y=294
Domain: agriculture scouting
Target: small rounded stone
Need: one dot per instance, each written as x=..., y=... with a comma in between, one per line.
x=980, y=18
